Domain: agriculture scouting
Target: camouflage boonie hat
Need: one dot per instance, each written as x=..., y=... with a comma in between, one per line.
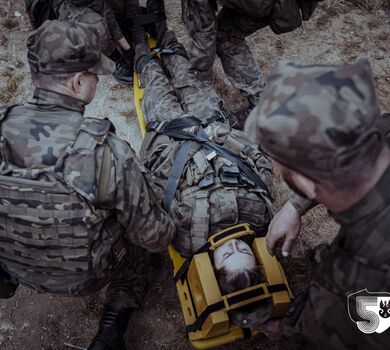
x=63, y=47
x=317, y=117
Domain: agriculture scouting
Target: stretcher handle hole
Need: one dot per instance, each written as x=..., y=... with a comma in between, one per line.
x=189, y=311
x=185, y=296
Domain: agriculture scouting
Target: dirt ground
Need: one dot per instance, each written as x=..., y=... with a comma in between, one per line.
x=338, y=32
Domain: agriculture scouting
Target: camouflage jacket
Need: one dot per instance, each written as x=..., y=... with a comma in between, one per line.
x=38, y=132
x=357, y=259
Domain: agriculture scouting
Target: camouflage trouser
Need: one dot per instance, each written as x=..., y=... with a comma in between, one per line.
x=127, y=288
x=181, y=95
x=224, y=34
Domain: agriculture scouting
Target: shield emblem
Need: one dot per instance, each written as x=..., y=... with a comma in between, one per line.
x=370, y=310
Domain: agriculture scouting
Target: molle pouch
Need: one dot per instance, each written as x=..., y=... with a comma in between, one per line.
x=207, y=181
x=253, y=210
x=198, y=168
x=218, y=132
x=219, y=162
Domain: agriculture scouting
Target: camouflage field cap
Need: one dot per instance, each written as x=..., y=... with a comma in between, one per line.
x=63, y=47
x=317, y=117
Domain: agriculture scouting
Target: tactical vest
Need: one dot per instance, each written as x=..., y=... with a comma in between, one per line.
x=213, y=192
x=53, y=238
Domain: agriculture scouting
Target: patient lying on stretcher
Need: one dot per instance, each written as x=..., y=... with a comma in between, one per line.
x=209, y=175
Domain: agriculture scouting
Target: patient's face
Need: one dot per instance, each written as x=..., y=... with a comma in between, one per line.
x=234, y=255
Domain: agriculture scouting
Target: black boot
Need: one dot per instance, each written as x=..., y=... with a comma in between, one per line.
x=7, y=285
x=112, y=328
x=159, y=28
x=238, y=117
x=170, y=41
x=142, y=52
x=123, y=72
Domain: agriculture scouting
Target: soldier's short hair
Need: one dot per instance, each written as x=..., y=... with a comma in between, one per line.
x=320, y=120
x=43, y=80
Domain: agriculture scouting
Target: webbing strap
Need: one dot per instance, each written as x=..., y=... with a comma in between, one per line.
x=220, y=305
x=105, y=174
x=200, y=220
x=175, y=174
x=274, y=288
x=246, y=332
x=202, y=317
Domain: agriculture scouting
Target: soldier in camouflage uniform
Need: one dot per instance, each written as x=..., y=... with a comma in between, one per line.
x=77, y=208
x=322, y=125
x=212, y=192
x=224, y=35
x=111, y=20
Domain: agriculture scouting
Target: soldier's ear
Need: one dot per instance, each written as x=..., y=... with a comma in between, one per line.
x=77, y=82
x=305, y=185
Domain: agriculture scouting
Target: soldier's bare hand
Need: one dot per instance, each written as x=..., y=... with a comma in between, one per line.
x=285, y=225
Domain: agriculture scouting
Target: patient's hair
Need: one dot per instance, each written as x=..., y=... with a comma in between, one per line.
x=251, y=315
x=229, y=283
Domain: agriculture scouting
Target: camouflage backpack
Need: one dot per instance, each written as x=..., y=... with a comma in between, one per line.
x=222, y=180
x=53, y=238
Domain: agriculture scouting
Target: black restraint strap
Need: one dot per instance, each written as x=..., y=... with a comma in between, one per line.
x=202, y=317
x=197, y=325
x=246, y=332
x=175, y=174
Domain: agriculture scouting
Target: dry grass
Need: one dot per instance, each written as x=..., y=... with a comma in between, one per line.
x=372, y=5
x=10, y=23
x=7, y=92
x=351, y=49
x=3, y=40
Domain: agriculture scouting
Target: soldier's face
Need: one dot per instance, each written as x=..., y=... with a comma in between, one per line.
x=234, y=256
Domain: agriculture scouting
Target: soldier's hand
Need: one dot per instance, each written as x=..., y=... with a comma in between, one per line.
x=285, y=225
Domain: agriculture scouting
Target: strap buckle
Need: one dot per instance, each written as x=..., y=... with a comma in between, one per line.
x=158, y=50
x=119, y=250
x=156, y=126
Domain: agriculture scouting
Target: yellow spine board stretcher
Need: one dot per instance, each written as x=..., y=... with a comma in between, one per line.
x=200, y=288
